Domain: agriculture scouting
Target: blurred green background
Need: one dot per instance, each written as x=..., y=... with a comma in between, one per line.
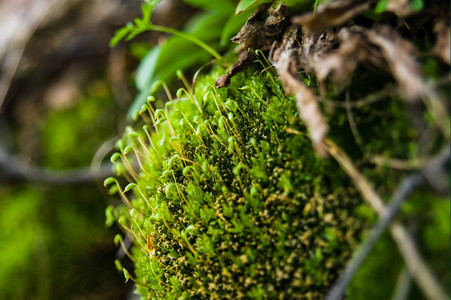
x=63, y=96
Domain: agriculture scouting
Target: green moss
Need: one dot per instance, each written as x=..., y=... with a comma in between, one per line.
x=73, y=216
x=230, y=203
x=23, y=251
x=48, y=234
x=74, y=224
x=71, y=136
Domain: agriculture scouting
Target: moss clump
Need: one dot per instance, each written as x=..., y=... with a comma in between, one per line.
x=230, y=200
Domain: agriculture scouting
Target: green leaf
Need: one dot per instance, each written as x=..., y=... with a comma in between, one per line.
x=140, y=24
x=417, y=5
x=233, y=26
x=249, y=5
x=152, y=2
x=207, y=26
x=381, y=6
x=147, y=9
x=134, y=32
x=119, y=35
x=178, y=53
x=302, y=3
x=146, y=69
x=217, y=5
x=166, y=69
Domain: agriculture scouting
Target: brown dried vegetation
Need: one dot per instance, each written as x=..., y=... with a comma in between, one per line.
x=333, y=42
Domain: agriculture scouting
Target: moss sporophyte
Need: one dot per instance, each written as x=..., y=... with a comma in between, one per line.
x=229, y=199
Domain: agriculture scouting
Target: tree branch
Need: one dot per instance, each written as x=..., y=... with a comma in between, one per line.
x=403, y=285
x=14, y=171
x=403, y=191
x=417, y=267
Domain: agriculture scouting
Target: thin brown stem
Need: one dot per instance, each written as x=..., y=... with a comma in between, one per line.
x=417, y=267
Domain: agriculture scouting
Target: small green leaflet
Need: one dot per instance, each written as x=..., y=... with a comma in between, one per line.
x=162, y=62
x=249, y=5
x=381, y=6
x=139, y=26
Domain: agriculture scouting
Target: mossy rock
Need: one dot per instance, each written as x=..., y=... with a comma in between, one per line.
x=230, y=200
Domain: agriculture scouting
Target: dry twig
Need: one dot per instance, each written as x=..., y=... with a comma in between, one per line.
x=309, y=110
